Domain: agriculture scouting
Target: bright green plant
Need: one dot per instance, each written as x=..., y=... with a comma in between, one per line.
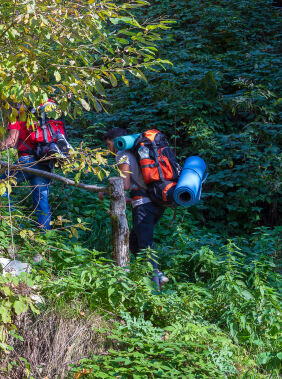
x=236, y=285
x=71, y=51
x=144, y=351
x=14, y=300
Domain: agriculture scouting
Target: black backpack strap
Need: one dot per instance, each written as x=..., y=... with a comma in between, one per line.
x=144, y=190
x=44, y=128
x=52, y=131
x=29, y=150
x=157, y=161
x=138, y=192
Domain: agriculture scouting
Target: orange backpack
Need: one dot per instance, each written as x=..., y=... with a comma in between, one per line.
x=159, y=166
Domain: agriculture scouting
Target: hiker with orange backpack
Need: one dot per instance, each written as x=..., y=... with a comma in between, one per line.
x=34, y=143
x=150, y=173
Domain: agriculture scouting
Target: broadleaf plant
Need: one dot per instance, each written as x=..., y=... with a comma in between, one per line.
x=71, y=50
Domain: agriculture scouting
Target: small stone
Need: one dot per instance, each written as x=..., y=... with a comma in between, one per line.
x=37, y=258
x=14, y=267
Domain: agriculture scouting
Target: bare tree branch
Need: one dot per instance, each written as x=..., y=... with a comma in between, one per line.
x=58, y=178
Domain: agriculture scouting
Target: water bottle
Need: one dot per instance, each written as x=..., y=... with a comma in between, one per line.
x=63, y=144
x=143, y=152
x=54, y=149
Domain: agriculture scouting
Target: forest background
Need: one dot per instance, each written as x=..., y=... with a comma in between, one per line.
x=219, y=315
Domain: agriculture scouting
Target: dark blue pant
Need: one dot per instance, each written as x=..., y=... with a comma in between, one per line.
x=144, y=217
x=40, y=188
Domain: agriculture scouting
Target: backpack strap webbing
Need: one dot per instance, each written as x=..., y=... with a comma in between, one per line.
x=157, y=160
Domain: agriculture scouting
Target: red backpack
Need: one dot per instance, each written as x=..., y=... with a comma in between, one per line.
x=49, y=136
x=47, y=139
x=159, y=166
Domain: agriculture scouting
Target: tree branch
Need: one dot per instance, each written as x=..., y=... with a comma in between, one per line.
x=58, y=178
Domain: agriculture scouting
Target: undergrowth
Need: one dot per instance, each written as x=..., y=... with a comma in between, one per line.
x=219, y=316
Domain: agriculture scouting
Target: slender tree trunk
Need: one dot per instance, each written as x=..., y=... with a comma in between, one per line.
x=120, y=231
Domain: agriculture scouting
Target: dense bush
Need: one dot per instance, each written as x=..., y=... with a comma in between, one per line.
x=229, y=286
x=218, y=100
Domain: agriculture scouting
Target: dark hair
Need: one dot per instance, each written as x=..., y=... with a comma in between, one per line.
x=114, y=133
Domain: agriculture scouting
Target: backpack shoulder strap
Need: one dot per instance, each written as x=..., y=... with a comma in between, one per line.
x=137, y=185
x=51, y=130
x=157, y=160
x=44, y=128
x=29, y=149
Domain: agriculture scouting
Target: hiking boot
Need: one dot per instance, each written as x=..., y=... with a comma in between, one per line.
x=162, y=278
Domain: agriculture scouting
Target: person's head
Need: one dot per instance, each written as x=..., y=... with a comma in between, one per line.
x=111, y=135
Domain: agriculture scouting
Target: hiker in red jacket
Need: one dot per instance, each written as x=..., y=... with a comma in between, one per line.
x=25, y=138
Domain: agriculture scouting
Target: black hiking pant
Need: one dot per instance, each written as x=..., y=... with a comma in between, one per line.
x=144, y=216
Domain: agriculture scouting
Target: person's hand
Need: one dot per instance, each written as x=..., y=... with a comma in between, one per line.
x=101, y=196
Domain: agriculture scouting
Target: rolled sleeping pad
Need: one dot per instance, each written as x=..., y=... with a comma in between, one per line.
x=125, y=142
x=189, y=187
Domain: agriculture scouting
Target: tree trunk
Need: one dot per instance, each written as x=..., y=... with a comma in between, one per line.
x=120, y=231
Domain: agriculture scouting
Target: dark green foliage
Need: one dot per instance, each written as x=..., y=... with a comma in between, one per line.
x=218, y=100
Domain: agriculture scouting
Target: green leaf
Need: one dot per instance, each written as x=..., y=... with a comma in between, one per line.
x=115, y=20
x=7, y=291
x=100, y=175
x=139, y=74
x=97, y=105
x=2, y=189
x=247, y=295
x=85, y=104
x=5, y=313
x=77, y=177
x=264, y=357
x=99, y=88
x=34, y=309
x=20, y=306
x=113, y=80
x=57, y=76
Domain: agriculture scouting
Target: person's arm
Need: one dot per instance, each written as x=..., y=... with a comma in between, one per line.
x=125, y=170
x=11, y=140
